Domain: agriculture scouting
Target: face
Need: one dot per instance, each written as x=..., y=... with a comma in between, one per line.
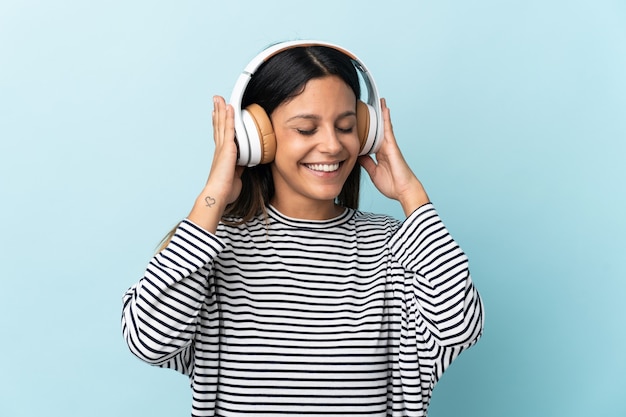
x=316, y=148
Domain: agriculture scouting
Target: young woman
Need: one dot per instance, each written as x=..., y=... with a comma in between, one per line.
x=276, y=295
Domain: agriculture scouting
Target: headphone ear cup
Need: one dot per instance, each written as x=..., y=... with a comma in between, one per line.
x=260, y=130
x=363, y=122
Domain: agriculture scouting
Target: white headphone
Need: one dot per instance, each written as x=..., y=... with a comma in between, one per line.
x=253, y=129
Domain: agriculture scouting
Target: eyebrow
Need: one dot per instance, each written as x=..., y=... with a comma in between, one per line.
x=308, y=116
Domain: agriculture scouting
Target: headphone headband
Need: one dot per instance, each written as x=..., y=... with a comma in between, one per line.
x=269, y=52
x=250, y=150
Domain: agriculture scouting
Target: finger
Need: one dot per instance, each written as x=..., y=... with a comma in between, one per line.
x=220, y=119
x=214, y=117
x=367, y=162
x=229, y=125
x=388, y=126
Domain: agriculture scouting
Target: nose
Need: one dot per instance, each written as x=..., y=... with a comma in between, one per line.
x=329, y=141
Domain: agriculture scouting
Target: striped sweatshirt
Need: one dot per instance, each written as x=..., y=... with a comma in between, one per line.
x=358, y=315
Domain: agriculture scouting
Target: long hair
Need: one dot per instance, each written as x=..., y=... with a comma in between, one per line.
x=278, y=80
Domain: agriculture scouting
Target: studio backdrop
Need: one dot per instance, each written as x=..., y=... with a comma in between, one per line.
x=512, y=113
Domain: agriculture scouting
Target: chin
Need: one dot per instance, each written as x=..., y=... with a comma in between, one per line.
x=326, y=196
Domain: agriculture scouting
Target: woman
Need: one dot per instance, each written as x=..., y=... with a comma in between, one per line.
x=276, y=295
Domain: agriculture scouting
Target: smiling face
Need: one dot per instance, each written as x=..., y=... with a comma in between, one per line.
x=316, y=148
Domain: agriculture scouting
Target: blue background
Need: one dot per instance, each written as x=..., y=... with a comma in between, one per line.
x=513, y=114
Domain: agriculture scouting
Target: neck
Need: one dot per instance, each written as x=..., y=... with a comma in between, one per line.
x=322, y=210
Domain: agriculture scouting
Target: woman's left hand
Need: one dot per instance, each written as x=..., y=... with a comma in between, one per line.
x=390, y=173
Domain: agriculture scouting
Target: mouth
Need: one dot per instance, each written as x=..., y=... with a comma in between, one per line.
x=323, y=167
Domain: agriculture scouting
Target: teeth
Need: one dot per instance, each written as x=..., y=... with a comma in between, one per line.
x=323, y=167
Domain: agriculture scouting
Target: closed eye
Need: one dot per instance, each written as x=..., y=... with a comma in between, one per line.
x=304, y=132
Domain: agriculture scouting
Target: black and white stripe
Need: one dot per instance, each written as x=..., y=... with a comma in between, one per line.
x=354, y=316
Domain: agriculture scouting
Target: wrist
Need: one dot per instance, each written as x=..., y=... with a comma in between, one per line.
x=413, y=199
x=207, y=210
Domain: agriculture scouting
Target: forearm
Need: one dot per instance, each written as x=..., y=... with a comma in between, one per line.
x=447, y=298
x=450, y=303
x=160, y=311
x=208, y=209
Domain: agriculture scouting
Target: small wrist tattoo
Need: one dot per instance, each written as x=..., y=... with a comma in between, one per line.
x=210, y=201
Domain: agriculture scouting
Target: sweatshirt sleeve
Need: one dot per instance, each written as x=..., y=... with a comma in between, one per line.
x=160, y=311
x=446, y=297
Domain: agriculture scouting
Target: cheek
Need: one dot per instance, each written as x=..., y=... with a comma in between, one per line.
x=285, y=144
x=291, y=142
x=353, y=145
x=357, y=145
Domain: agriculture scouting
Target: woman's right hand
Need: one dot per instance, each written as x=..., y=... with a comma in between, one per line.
x=224, y=183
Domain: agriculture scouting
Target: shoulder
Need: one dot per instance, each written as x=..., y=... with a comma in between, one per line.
x=367, y=220
x=236, y=225
x=374, y=217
